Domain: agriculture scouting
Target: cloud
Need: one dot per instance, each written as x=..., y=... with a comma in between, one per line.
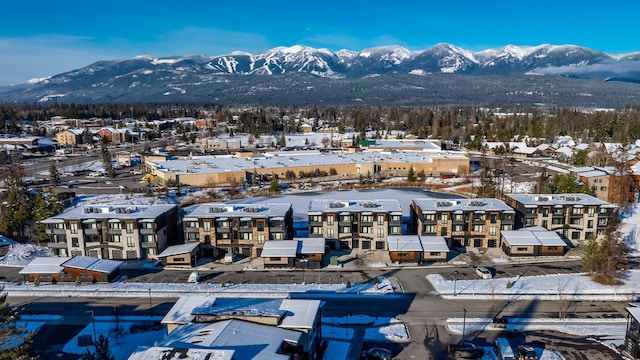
x=206, y=41
x=601, y=70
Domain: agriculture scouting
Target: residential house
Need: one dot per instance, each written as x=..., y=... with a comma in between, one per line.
x=632, y=335
x=66, y=269
x=239, y=229
x=355, y=224
x=578, y=217
x=465, y=222
x=183, y=255
x=112, y=231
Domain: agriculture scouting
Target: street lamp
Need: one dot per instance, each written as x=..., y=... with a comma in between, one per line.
x=150, y=306
x=455, y=279
x=464, y=323
x=93, y=319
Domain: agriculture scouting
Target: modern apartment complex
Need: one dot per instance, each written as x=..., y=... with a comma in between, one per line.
x=112, y=231
x=467, y=222
x=237, y=228
x=356, y=224
x=576, y=216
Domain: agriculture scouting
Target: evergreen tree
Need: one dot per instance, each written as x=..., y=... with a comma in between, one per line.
x=103, y=350
x=54, y=176
x=274, y=186
x=13, y=341
x=411, y=175
x=16, y=210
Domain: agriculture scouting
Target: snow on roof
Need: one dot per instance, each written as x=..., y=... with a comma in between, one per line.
x=311, y=245
x=218, y=210
x=93, y=264
x=164, y=352
x=486, y=204
x=248, y=340
x=45, y=265
x=593, y=173
x=179, y=249
x=181, y=311
x=634, y=311
x=111, y=211
x=565, y=151
x=301, y=314
x=404, y=243
x=376, y=205
x=535, y=237
x=434, y=244
x=558, y=199
x=280, y=248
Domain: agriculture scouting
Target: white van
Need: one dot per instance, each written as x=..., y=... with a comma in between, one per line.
x=194, y=277
x=503, y=349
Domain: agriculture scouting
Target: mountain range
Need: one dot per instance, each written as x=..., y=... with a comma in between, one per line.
x=442, y=74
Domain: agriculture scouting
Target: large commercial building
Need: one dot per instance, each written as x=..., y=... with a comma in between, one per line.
x=356, y=224
x=576, y=216
x=466, y=222
x=236, y=169
x=113, y=231
x=237, y=228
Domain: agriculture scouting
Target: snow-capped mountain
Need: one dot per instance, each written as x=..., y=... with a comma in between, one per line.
x=144, y=77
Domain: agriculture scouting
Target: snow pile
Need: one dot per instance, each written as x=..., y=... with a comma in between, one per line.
x=629, y=229
x=119, y=199
x=23, y=254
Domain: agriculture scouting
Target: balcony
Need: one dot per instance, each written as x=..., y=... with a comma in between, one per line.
x=147, y=231
x=146, y=245
x=56, y=231
x=57, y=245
x=114, y=231
x=191, y=229
x=91, y=231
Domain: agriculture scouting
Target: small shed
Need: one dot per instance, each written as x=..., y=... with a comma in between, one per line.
x=279, y=253
x=434, y=248
x=310, y=252
x=44, y=269
x=90, y=269
x=533, y=241
x=632, y=335
x=404, y=248
x=183, y=255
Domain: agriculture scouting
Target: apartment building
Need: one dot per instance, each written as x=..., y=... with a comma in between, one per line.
x=576, y=216
x=465, y=222
x=112, y=231
x=240, y=229
x=355, y=224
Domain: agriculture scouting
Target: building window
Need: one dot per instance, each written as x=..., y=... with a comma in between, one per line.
x=246, y=236
x=74, y=228
x=478, y=228
x=207, y=226
x=277, y=236
x=591, y=211
x=367, y=218
x=552, y=248
x=75, y=242
x=506, y=227
x=273, y=258
x=190, y=237
x=556, y=221
x=522, y=249
x=395, y=230
x=365, y=229
x=115, y=226
x=575, y=235
x=444, y=218
x=493, y=218
x=434, y=253
x=129, y=227
x=429, y=229
x=458, y=228
x=443, y=231
x=330, y=220
x=130, y=241
x=191, y=224
x=492, y=231
x=260, y=239
x=315, y=218
x=396, y=218
x=380, y=219
x=576, y=211
x=260, y=225
x=380, y=232
x=330, y=232
x=429, y=217
x=345, y=229
x=116, y=238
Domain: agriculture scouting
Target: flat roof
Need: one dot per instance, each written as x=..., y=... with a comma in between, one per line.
x=220, y=210
x=558, y=199
x=374, y=205
x=634, y=311
x=181, y=311
x=277, y=160
x=423, y=243
x=481, y=204
x=434, y=244
x=312, y=245
x=119, y=211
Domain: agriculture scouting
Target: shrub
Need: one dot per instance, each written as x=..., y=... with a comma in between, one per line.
x=509, y=284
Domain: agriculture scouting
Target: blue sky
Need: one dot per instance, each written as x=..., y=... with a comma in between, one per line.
x=41, y=37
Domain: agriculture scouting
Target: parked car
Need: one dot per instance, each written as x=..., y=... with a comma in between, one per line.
x=526, y=352
x=464, y=350
x=194, y=277
x=503, y=349
x=135, y=172
x=484, y=273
